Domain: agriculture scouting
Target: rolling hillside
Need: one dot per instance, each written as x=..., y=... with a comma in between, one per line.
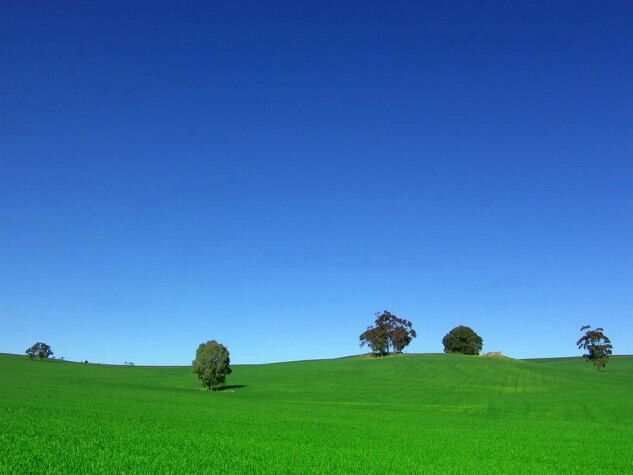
x=412, y=413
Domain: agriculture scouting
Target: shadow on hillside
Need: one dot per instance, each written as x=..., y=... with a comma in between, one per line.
x=237, y=386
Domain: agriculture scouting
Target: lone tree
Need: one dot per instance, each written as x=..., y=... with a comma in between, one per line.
x=212, y=364
x=463, y=340
x=389, y=333
x=41, y=350
x=597, y=345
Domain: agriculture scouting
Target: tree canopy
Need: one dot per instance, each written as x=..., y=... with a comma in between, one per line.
x=597, y=345
x=41, y=350
x=212, y=364
x=389, y=333
x=463, y=340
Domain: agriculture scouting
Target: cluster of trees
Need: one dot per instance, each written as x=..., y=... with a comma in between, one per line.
x=391, y=334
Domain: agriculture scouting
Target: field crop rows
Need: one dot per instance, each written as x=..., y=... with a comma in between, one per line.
x=413, y=413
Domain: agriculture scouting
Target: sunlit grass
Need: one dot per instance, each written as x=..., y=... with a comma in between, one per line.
x=415, y=413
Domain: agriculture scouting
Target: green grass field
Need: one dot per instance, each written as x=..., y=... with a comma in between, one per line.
x=406, y=414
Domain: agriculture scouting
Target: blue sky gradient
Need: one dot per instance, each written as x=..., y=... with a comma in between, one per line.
x=270, y=175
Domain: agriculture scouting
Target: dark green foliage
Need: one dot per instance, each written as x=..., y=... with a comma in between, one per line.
x=41, y=350
x=212, y=364
x=376, y=339
x=390, y=333
x=463, y=340
x=597, y=345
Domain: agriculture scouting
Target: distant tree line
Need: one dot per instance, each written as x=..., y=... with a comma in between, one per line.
x=388, y=335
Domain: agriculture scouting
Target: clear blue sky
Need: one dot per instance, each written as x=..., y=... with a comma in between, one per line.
x=271, y=174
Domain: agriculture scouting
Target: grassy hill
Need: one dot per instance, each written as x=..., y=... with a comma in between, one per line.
x=412, y=413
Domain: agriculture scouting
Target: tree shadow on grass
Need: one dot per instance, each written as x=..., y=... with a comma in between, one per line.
x=226, y=388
